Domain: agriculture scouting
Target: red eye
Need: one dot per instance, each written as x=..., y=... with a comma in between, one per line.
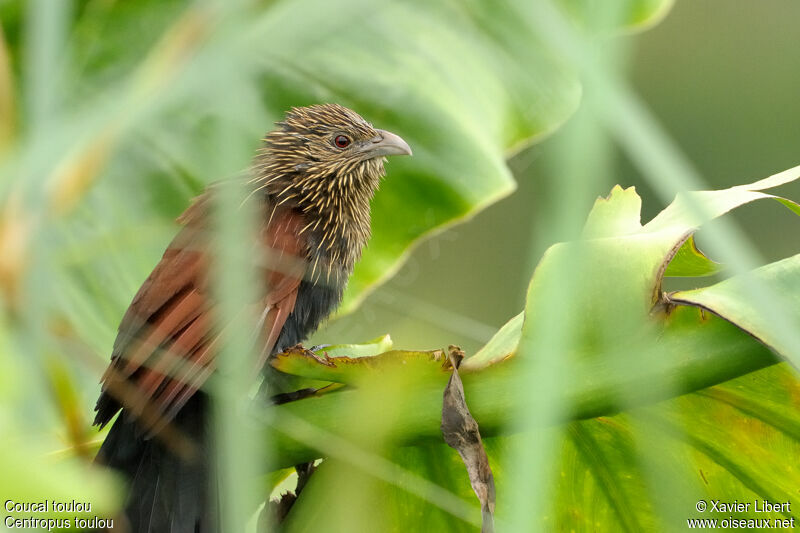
x=342, y=141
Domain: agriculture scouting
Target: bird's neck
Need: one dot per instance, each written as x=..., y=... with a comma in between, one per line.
x=335, y=234
x=336, y=208
x=342, y=233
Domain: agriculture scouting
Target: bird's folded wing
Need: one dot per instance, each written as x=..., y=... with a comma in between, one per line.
x=168, y=338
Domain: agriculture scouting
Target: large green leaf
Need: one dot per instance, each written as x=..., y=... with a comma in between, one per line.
x=695, y=351
x=633, y=347
x=725, y=299
x=727, y=443
x=465, y=83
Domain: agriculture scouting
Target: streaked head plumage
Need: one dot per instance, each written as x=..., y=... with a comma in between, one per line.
x=327, y=161
x=329, y=139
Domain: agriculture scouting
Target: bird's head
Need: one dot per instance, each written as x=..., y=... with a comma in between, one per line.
x=324, y=154
x=327, y=161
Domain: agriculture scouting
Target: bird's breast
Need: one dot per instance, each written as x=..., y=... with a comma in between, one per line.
x=315, y=302
x=326, y=256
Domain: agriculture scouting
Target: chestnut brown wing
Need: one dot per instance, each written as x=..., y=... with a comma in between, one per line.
x=167, y=339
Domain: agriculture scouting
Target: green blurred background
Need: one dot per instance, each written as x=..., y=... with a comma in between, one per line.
x=724, y=80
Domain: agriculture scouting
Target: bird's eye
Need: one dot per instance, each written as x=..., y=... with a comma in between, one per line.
x=342, y=141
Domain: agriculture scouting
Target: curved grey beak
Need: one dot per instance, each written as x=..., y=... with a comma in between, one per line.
x=386, y=143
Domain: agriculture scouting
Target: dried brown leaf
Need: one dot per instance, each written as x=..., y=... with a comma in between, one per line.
x=460, y=431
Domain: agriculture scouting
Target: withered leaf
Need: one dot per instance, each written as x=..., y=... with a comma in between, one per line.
x=460, y=431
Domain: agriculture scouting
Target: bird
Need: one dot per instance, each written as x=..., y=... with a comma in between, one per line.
x=312, y=182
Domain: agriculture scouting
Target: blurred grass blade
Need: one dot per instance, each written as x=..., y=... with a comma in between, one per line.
x=76, y=174
x=234, y=276
x=46, y=33
x=15, y=232
x=8, y=111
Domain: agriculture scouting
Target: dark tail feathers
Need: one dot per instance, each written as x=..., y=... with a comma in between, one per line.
x=167, y=493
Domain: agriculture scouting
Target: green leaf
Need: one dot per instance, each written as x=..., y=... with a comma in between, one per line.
x=634, y=14
x=7, y=100
x=616, y=215
x=355, y=370
x=632, y=349
x=694, y=350
x=725, y=299
x=369, y=348
x=476, y=86
x=691, y=262
x=691, y=210
x=726, y=443
x=501, y=346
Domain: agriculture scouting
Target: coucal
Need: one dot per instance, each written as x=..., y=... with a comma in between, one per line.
x=313, y=180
